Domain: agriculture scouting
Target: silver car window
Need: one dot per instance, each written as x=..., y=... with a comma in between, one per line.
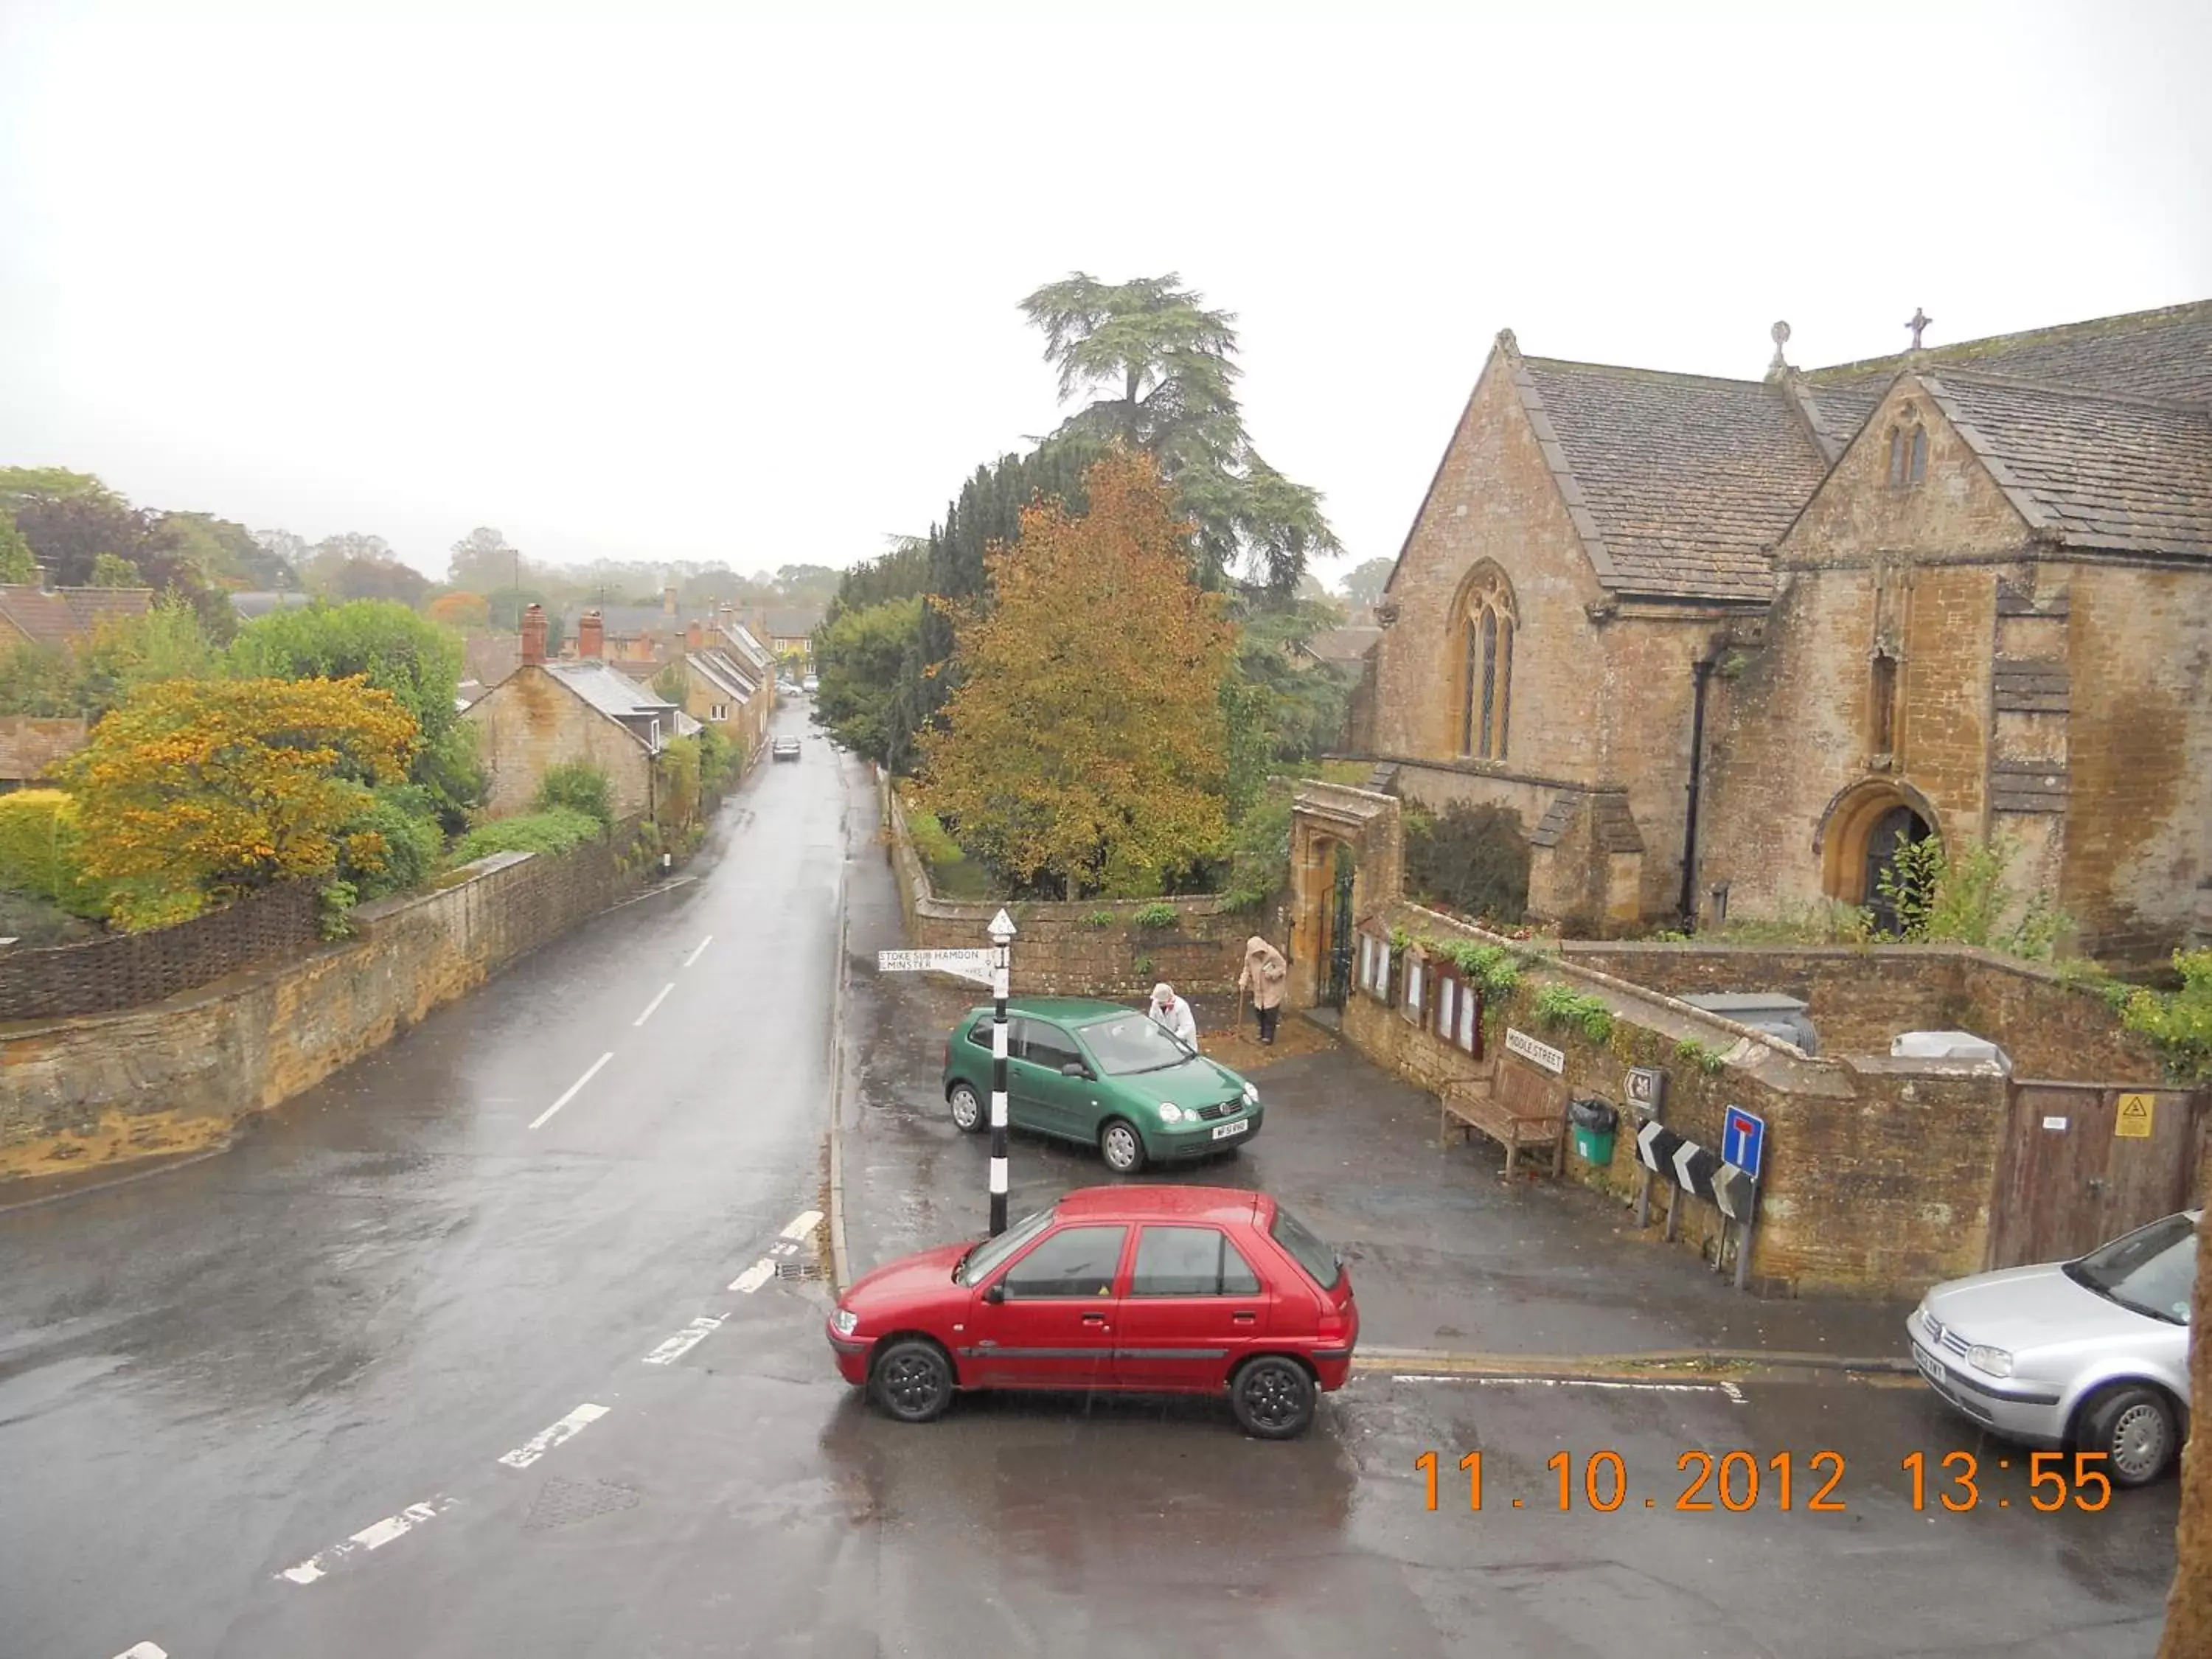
x=2151, y=1270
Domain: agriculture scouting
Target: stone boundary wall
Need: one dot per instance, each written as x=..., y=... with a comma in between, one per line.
x=179, y=1075
x=1859, y=999
x=1065, y=949
x=1880, y=1173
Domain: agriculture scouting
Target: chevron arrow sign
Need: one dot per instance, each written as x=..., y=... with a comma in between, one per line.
x=1697, y=1171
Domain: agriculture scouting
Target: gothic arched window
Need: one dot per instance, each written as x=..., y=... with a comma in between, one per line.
x=1483, y=624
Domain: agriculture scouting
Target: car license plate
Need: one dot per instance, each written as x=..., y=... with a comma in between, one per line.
x=1222, y=1131
x=1929, y=1368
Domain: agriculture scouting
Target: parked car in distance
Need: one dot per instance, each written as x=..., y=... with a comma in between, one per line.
x=784, y=749
x=2091, y=1353
x=810, y=686
x=1141, y=1289
x=1101, y=1075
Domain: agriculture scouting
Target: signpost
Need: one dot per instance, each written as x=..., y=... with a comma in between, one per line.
x=1647, y=1095
x=961, y=964
x=1535, y=1053
x=1743, y=1140
x=1002, y=941
x=989, y=968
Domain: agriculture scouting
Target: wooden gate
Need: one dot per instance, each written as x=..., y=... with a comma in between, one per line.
x=2085, y=1162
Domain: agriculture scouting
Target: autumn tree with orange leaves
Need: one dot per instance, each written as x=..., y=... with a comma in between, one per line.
x=1084, y=745
x=204, y=789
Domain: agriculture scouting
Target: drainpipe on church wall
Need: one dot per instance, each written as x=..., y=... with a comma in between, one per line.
x=1704, y=673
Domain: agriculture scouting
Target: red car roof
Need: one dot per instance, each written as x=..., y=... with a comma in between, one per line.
x=1221, y=1204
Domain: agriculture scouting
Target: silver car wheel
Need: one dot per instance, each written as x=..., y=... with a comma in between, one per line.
x=967, y=1111
x=1123, y=1151
x=2138, y=1444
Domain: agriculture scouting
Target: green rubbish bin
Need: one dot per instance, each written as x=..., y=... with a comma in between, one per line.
x=1595, y=1123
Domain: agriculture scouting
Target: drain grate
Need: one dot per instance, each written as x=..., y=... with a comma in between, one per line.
x=799, y=1270
x=564, y=1503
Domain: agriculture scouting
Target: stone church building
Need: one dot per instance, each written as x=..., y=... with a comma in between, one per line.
x=1749, y=636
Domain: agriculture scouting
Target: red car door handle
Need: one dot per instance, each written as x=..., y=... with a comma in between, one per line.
x=1098, y=1320
x=1244, y=1318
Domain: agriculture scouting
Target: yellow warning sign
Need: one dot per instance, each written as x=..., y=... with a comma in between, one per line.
x=2135, y=1119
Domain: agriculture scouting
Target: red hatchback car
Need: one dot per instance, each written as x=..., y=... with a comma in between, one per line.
x=1147, y=1290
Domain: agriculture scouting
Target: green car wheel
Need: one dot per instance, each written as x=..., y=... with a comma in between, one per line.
x=1122, y=1146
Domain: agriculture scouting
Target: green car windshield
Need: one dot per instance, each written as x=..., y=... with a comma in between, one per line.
x=1132, y=1043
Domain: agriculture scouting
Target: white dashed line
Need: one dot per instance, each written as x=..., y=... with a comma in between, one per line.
x=373, y=1537
x=545, y=1439
x=701, y=952
x=805, y=1224
x=575, y=1089
x=143, y=1651
x=683, y=1341
x=754, y=1277
x=652, y=1005
x=1728, y=1388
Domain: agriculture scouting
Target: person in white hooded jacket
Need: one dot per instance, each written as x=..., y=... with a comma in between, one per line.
x=1171, y=1012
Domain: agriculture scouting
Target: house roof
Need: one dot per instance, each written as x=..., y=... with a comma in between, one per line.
x=747, y=646
x=250, y=605
x=719, y=672
x=628, y=622
x=615, y=695
x=2088, y=468
x=1678, y=484
x=793, y=623
x=2164, y=354
x=56, y=616
x=1342, y=644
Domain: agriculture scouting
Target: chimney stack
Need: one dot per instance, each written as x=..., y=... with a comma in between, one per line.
x=694, y=636
x=667, y=601
x=534, y=637
x=591, y=636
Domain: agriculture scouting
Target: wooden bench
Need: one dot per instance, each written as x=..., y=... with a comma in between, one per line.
x=1517, y=1106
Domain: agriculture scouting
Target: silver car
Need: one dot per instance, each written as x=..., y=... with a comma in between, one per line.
x=2092, y=1354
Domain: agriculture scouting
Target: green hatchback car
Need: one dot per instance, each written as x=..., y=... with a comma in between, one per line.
x=1096, y=1072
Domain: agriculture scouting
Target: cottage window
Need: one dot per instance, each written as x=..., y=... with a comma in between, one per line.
x=1446, y=1001
x=1485, y=620
x=1413, y=989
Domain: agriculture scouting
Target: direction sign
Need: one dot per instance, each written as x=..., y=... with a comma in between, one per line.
x=961, y=964
x=1743, y=1140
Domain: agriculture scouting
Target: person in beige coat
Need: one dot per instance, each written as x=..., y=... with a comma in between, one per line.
x=1265, y=971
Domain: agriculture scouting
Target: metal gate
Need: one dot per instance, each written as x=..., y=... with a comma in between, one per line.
x=1339, y=932
x=2085, y=1162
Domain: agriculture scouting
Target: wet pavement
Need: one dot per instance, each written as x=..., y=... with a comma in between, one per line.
x=402, y=1375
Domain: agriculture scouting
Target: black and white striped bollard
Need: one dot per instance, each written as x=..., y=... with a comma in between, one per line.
x=1002, y=941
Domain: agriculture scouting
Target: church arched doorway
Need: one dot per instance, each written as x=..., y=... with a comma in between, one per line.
x=1865, y=831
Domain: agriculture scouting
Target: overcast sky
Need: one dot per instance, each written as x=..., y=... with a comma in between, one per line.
x=665, y=282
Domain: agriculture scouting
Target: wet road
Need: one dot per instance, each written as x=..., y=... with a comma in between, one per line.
x=405, y=1376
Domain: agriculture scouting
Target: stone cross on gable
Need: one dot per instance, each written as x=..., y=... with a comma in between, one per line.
x=1920, y=321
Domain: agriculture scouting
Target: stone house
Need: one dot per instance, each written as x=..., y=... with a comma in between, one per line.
x=722, y=689
x=543, y=715
x=1750, y=636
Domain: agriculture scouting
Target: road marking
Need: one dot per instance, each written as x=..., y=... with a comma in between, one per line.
x=754, y=1277
x=575, y=1089
x=372, y=1537
x=143, y=1651
x=806, y=1222
x=652, y=1005
x=545, y=1439
x=1728, y=1388
x=701, y=952
x=683, y=1341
